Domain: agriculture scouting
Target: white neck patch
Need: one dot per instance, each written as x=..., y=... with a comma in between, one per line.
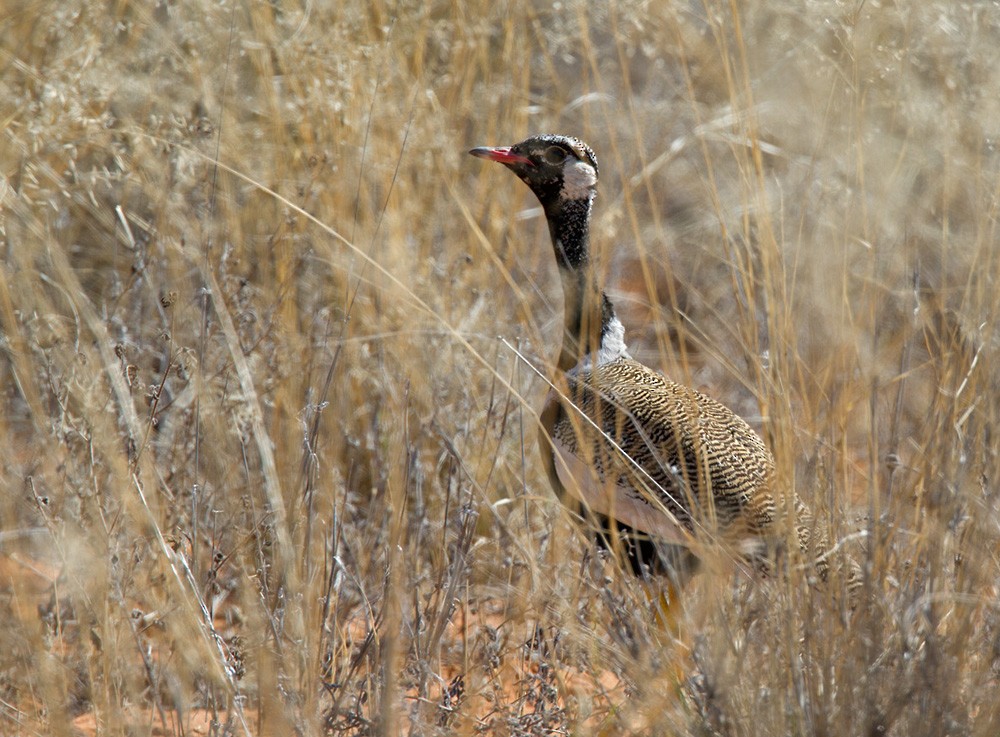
x=579, y=180
x=612, y=348
x=612, y=343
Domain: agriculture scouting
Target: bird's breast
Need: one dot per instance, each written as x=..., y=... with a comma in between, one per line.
x=614, y=500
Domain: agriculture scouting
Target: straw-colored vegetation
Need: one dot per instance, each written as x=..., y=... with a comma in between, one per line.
x=269, y=457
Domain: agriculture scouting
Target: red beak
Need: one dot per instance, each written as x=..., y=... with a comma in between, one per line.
x=501, y=154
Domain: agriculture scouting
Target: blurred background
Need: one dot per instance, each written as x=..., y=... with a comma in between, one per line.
x=270, y=459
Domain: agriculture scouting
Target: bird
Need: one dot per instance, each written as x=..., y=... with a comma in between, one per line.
x=661, y=469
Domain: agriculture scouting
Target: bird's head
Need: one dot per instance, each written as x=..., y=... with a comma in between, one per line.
x=557, y=168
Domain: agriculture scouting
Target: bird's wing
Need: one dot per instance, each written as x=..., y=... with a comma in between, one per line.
x=672, y=448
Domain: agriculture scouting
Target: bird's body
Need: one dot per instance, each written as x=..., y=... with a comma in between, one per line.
x=641, y=453
x=668, y=460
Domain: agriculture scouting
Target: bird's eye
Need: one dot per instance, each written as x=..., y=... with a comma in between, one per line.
x=554, y=155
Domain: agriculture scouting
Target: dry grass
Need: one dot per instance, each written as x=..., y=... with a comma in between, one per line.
x=268, y=469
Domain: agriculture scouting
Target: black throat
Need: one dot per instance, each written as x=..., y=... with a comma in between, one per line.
x=569, y=226
x=589, y=315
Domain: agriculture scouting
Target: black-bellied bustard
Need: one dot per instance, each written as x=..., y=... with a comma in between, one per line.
x=644, y=455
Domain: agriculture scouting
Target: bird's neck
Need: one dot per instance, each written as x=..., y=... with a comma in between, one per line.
x=592, y=332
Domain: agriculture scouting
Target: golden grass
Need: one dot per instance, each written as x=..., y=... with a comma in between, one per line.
x=267, y=460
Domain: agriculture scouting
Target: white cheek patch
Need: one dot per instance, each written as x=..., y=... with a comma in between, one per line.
x=579, y=180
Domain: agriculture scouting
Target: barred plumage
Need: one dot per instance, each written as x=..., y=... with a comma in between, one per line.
x=677, y=451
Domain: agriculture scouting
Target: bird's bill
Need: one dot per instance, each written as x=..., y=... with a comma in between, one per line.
x=501, y=154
